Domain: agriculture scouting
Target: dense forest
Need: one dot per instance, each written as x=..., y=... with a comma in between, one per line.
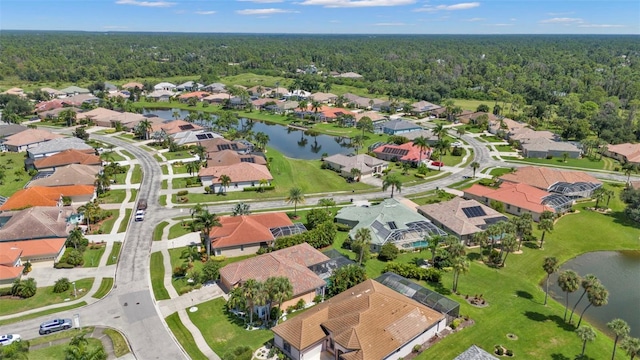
x=586, y=84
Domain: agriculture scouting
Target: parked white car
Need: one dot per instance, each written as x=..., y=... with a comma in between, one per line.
x=457, y=144
x=9, y=339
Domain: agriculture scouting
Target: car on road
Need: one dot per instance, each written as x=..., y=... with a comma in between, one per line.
x=55, y=325
x=140, y=215
x=457, y=144
x=9, y=339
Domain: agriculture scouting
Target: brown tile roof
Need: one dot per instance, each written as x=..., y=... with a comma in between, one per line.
x=635, y=184
x=74, y=174
x=370, y=319
x=241, y=172
x=230, y=157
x=220, y=144
x=520, y=195
x=630, y=151
x=67, y=157
x=174, y=127
x=44, y=196
x=9, y=253
x=49, y=105
x=543, y=178
x=133, y=84
x=30, y=136
x=292, y=262
x=196, y=94
x=98, y=114
x=373, y=115
x=247, y=229
x=451, y=215
x=36, y=223
x=35, y=248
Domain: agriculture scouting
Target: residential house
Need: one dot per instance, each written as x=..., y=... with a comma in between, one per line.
x=505, y=125
x=53, y=114
x=325, y=98
x=173, y=127
x=258, y=90
x=67, y=157
x=390, y=221
x=27, y=139
x=261, y=103
x=574, y=184
x=635, y=184
x=326, y=113
x=41, y=250
x=78, y=100
x=161, y=95
x=284, y=107
x=11, y=267
x=38, y=222
x=164, y=86
x=292, y=262
x=242, y=175
x=74, y=174
x=376, y=117
x=198, y=95
x=366, y=322
x=349, y=75
x=16, y=92
x=542, y=148
x=188, y=138
x=59, y=145
x=48, y=105
x=358, y=101
x=129, y=120
x=7, y=130
x=53, y=93
x=74, y=90
x=231, y=157
x=49, y=196
x=110, y=88
x=399, y=126
x=431, y=138
x=216, y=98
x=189, y=86
x=222, y=144
x=215, y=88
x=246, y=234
x=132, y=85
x=526, y=135
x=625, y=153
x=422, y=108
x=100, y=116
x=368, y=165
x=461, y=217
x=475, y=353
x=518, y=199
x=384, y=105
x=471, y=117
x=277, y=92
x=406, y=153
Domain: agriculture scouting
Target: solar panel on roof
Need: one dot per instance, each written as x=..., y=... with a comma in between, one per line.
x=248, y=160
x=392, y=225
x=209, y=136
x=379, y=227
x=473, y=211
x=201, y=136
x=234, y=146
x=224, y=147
x=185, y=127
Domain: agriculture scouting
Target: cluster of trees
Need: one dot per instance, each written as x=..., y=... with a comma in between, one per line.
x=80, y=348
x=24, y=288
x=319, y=237
x=253, y=293
x=76, y=244
x=631, y=197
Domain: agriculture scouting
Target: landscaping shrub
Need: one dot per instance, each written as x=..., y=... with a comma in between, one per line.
x=182, y=193
x=343, y=227
x=421, y=176
x=275, y=313
x=27, y=267
x=300, y=304
x=72, y=257
x=210, y=271
x=322, y=236
x=388, y=252
x=499, y=351
x=455, y=323
x=219, y=258
x=316, y=217
x=412, y=271
x=63, y=265
x=5, y=291
x=259, y=188
x=416, y=348
x=24, y=288
x=509, y=352
x=207, y=189
x=317, y=299
x=180, y=271
x=549, y=157
x=290, y=309
x=456, y=151
x=61, y=285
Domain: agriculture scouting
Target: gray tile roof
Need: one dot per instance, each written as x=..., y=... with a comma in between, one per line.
x=475, y=353
x=8, y=130
x=400, y=125
x=543, y=144
x=59, y=145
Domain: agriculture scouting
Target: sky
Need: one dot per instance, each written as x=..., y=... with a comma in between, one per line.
x=327, y=16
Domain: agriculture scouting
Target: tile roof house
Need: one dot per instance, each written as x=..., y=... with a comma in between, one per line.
x=27, y=139
x=10, y=129
x=15, y=91
x=389, y=221
x=74, y=174
x=100, y=116
x=358, y=101
x=542, y=148
x=48, y=105
x=78, y=100
x=368, y=165
x=222, y=144
x=624, y=152
x=175, y=126
x=59, y=145
x=230, y=157
x=375, y=116
x=399, y=126
x=74, y=90
x=423, y=107
x=38, y=222
x=11, y=267
x=48, y=196
x=292, y=262
x=53, y=93
x=406, y=153
x=166, y=86
x=511, y=127
x=189, y=86
x=216, y=98
x=520, y=198
x=475, y=353
x=161, y=95
x=366, y=322
x=67, y=157
x=245, y=234
x=242, y=175
x=55, y=113
x=554, y=180
x=199, y=95
x=132, y=85
x=187, y=138
x=215, y=88
x=325, y=98
x=427, y=134
x=37, y=250
x=461, y=217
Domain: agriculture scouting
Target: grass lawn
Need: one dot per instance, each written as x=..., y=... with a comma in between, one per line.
x=136, y=177
x=44, y=297
x=162, y=200
x=157, y=277
x=112, y=156
x=120, y=345
x=113, y=197
x=179, y=229
x=125, y=222
x=126, y=137
x=177, y=155
x=134, y=194
x=473, y=104
x=42, y=313
x=121, y=178
x=107, y=225
x=165, y=184
x=125, y=152
x=12, y=182
x=228, y=331
x=179, y=183
x=576, y=163
x=165, y=170
x=491, y=139
x=158, y=158
x=504, y=148
x=105, y=286
x=115, y=253
x=499, y=171
x=92, y=256
x=178, y=168
x=184, y=337
x=157, y=232
x=58, y=351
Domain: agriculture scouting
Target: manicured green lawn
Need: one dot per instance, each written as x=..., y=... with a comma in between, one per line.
x=177, y=155
x=105, y=286
x=92, y=256
x=44, y=296
x=107, y=225
x=499, y=171
x=112, y=156
x=113, y=196
x=115, y=253
x=179, y=229
x=157, y=277
x=178, y=168
x=42, y=313
x=58, y=351
x=125, y=222
x=179, y=183
x=491, y=139
x=121, y=178
x=164, y=168
x=165, y=184
x=577, y=163
x=136, y=177
x=12, y=182
x=228, y=331
x=125, y=152
x=504, y=148
x=184, y=337
x=158, y=158
x=120, y=346
x=134, y=194
x=157, y=232
x=162, y=200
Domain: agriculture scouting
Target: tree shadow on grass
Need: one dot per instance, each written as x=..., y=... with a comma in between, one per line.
x=561, y=323
x=474, y=256
x=524, y=295
x=620, y=218
x=441, y=289
x=535, y=316
x=559, y=357
x=531, y=245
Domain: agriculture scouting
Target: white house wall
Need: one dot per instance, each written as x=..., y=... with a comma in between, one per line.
x=421, y=339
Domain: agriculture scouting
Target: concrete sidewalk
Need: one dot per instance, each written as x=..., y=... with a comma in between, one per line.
x=192, y=298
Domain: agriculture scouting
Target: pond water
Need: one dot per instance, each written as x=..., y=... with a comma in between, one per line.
x=619, y=272
x=291, y=142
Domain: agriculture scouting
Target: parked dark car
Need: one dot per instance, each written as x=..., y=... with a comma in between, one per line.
x=55, y=325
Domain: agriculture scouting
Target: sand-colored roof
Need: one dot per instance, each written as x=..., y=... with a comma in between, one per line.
x=369, y=319
x=133, y=84
x=247, y=229
x=98, y=114
x=175, y=126
x=44, y=196
x=222, y=144
x=240, y=172
x=73, y=174
x=543, y=178
x=451, y=214
x=373, y=115
x=520, y=195
x=230, y=157
x=30, y=136
x=67, y=157
x=630, y=151
x=39, y=222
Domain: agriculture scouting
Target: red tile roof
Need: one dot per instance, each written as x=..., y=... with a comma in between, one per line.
x=196, y=94
x=49, y=105
x=34, y=248
x=246, y=229
x=9, y=253
x=67, y=157
x=10, y=272
x=515, y=194
x=412, y=152
x=44, y=196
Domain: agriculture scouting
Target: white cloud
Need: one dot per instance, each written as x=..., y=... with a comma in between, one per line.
x=264, y=11
x=601, y=26
x=475, y=19
x=146, y=3
x=560, y=13
x=199, y=12
x=459, y=6
x=390, y=24
x=356, y=3
x=562, y=20
x=115, y=27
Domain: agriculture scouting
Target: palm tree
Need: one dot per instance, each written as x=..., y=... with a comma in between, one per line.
x=262, y=139
x=545, y=224
x=631, y=346
x=598, y=194
x=569, y=281
x=102, y=182
x=225, y=181
x=68, y=116
x=355, y=173
x=587, y=283
x=190, y=254
x=508, y=246
x=362, y=239
x=621, y=330
x=200, y=151
x=206, y=221
x=439, y=131
x=597, y=296
x=365, y=124
x=190, y=166
x=550, y=266
x=434, y=242
x=326, y=202
x=524, y=226
x=250, y=291
x=75, y=238
x=460, y=266
x=146, y=126
x=356, y=142
x=460, y=130
x=196, y=209
x=393, y=181
x=629, y=168
x=475, y=166
x=262, y=183
x=279, y=289
x=421, y=143
x=241, y=208
x=175, y=114
x=296, y=196
x=585, y=334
